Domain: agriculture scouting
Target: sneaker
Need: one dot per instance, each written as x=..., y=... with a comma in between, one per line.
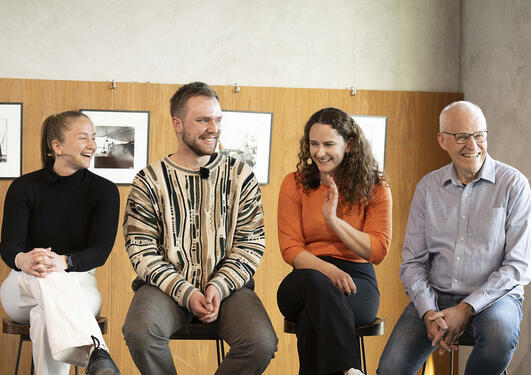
x=100, y=362
x=352, y=371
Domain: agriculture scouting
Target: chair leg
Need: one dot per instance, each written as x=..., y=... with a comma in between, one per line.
x=424, y=367
x=18, y=354
x=220, y=350
x=364, y=360
x=75, y=369
x=451, y=362
x=32, y=366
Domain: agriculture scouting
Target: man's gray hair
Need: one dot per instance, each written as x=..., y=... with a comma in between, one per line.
x=461, y=105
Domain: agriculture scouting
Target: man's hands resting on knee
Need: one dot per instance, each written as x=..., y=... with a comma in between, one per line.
x=444, y=327
x=206, y=306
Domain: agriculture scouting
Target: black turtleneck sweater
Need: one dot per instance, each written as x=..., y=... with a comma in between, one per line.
x=75, y=215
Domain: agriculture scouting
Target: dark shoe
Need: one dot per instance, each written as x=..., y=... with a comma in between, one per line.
x=100, y=362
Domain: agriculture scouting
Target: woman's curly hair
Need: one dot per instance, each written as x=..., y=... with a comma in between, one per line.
x=358, y=172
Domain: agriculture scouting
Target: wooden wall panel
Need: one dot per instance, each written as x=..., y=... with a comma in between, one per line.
x=411, y=148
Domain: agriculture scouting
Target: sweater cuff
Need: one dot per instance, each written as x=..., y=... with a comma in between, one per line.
x=17, y=268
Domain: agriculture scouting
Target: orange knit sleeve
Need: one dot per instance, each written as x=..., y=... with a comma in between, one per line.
x=290, y=232
x=378, y=216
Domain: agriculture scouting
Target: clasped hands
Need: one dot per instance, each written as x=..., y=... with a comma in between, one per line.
x=444, y=327
x=205, y=306
x=40, y=262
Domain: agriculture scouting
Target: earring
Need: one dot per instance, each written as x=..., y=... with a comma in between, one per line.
x=309, y=161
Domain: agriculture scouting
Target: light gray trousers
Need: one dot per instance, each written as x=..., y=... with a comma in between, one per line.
x=242, y=322
x=61, y=309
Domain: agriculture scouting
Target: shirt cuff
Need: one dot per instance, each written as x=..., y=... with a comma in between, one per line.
x=424, y=306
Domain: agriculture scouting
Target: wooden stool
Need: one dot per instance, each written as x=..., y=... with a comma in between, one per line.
x=13, y=328
x=200, y=331
x=376, y=328
x=466, y=340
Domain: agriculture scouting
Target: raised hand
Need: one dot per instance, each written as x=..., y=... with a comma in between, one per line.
x=330, y=200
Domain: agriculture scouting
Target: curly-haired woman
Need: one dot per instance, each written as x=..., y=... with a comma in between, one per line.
x=334, y=223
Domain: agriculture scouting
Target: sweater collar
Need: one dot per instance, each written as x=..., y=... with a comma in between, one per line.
x=77, y=179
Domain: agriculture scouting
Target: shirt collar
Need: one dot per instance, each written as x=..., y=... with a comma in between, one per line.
x=487, y=172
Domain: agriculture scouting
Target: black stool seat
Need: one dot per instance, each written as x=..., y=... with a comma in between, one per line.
x=10, y=327
x=200, y=331
x=376, y=328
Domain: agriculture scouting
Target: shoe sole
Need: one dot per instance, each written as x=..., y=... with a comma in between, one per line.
x=106, y=371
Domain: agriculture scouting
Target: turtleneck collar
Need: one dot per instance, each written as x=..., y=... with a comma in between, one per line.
x=77, y=179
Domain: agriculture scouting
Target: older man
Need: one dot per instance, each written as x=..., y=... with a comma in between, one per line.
x=466, y=254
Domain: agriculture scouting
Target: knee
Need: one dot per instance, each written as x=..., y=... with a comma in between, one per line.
x=498, y=338
x=264, y=346
x=259, y=350
x=141, y=334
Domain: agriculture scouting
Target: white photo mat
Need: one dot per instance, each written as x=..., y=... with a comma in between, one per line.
x=247, y=137
x=10, y=140
x=123, y=140
x=375, y=130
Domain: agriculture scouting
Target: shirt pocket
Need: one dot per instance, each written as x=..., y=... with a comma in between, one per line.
x=489, y=226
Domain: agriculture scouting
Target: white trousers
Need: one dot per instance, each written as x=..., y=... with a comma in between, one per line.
x=61, y=309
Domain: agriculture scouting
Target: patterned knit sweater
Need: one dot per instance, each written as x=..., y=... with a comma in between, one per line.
x=184, y=232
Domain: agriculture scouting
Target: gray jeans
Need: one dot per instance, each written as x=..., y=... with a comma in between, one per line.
x=242, y=322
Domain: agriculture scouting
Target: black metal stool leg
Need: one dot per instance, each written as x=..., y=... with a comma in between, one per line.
x=32, y=366
x=218, y=352
x=18, y=354
x=75, y=369
x=364, y=363
x=451, y=362
x=424, y=367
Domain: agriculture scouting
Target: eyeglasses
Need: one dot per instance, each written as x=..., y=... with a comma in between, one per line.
x=461, y=138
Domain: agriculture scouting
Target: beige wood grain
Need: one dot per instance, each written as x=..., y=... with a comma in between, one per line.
x=411, y=152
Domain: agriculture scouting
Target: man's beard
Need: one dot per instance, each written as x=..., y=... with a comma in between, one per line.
x=197, y=148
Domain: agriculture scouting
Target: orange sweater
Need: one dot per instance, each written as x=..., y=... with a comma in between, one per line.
x=301, y=225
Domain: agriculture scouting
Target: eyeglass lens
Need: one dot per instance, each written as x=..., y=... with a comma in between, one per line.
x=478, y=137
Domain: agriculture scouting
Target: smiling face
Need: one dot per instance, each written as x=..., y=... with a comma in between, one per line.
x=76, y=149
x=199, y=129
x=467, y=158
x=327, y=148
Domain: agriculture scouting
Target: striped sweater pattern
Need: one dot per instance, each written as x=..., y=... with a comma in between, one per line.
x=183, y=232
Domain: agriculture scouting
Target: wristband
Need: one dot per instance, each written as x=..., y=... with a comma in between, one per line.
x=69, y=264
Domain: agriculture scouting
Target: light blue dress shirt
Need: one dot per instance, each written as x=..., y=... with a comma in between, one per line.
x=471, y=240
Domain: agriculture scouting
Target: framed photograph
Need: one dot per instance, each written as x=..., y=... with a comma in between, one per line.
x=375, y=130
x=247, y=136
x=10, y=140
x=122, y=138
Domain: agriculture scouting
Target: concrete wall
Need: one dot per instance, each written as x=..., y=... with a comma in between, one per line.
x=496, y=75
x=385, y=45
